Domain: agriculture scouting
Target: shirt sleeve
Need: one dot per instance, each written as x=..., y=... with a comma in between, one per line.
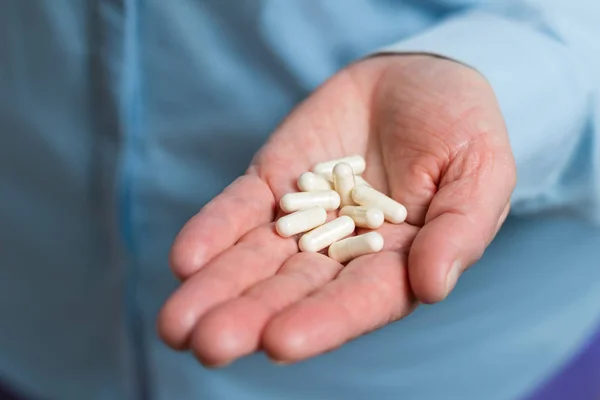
x=543, y=60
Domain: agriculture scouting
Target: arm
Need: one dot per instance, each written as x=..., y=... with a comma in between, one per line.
x=543, y=60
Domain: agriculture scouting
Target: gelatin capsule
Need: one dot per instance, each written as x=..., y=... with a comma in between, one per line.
x=328, y=199
x=301, y=221
x=311, y=182
x=326, y=168
x=353, y=247
x=393, y=211
x=323, y=236
x=364, y=217
x=359, y=180
x=343, y=182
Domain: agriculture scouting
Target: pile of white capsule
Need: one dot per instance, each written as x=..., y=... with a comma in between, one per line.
x=330, y=186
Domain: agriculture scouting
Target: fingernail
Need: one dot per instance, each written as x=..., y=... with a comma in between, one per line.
x=452, y=277
x=212, y=364
x=218, y=365
x=280, y=362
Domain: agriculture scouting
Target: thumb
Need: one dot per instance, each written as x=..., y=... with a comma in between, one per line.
x=463, y=216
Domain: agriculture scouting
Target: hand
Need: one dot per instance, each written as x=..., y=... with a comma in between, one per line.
x=434, y=139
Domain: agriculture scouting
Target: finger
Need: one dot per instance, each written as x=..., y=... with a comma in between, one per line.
x=257, y=256
x=372, y=291
x=421, y=129
x=462, y=219
x=369, y=292
x=242, y=206
x=503, y=217
x=234, y=328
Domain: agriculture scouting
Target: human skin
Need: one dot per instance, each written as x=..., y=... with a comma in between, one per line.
x=434, y=139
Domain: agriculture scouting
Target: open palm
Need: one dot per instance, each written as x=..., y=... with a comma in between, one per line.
x=433, y=138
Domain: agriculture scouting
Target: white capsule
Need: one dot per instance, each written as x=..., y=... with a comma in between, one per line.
x=325, y=235
x=359, y=180
x=393, y=211
x=326, y=168
x=301, y=221
x=311, y=182
x=343, y=182
x=353, y=247
x=328, y=199
x=364, y=217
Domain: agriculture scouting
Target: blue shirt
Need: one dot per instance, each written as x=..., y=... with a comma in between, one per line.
x=119, y=119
